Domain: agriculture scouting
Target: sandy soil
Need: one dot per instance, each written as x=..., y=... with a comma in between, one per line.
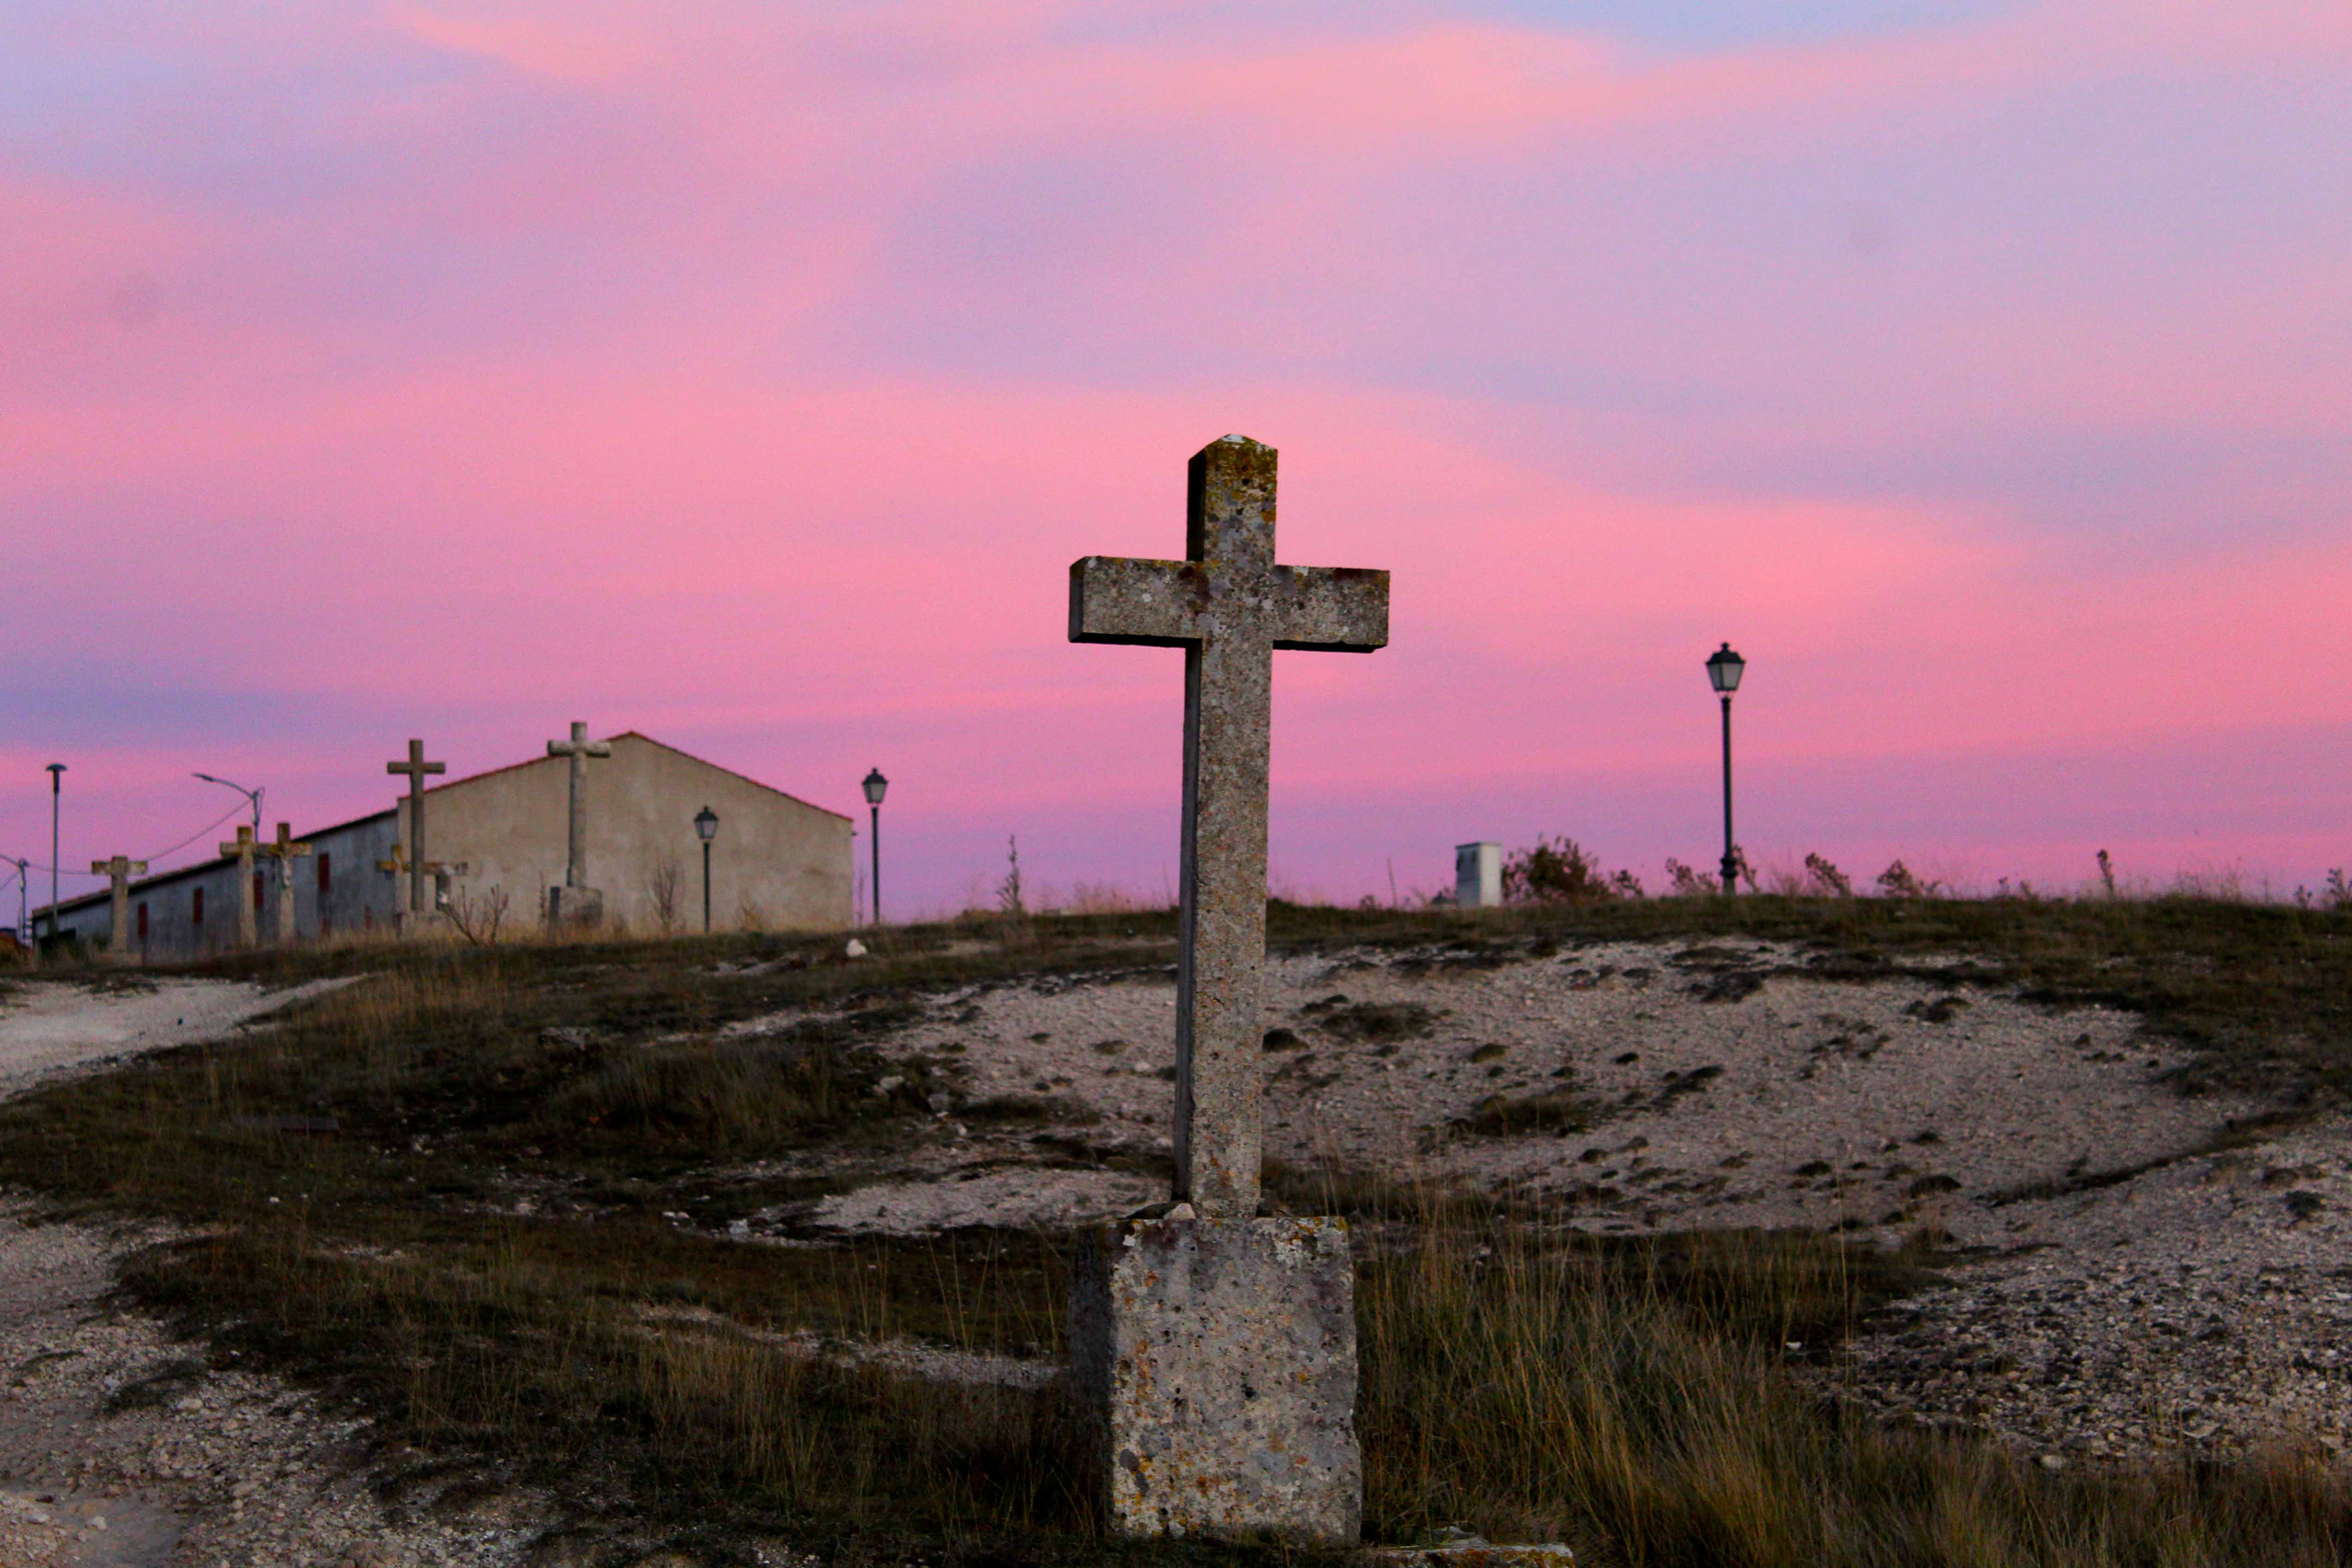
x=2132, y=1283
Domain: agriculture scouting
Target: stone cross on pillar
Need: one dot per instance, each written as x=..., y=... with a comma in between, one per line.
x=1214, y=1352
x=416, y=768
x=1228, y=607
x=283, y=852
x=580, y=748
x=248, y=919
x=119, y=870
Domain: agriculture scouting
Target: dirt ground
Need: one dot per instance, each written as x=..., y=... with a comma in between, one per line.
x=2137, y=1272
x=122, y=1448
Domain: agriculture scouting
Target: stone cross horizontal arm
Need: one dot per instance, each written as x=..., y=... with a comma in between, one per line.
x=121, y=865
x=1169, y=604
x=286, y=846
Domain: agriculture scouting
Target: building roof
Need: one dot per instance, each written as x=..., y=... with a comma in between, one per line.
x=163, y=879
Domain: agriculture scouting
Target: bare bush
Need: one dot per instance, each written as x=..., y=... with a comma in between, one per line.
x=1827, y=880
x=663, y=884
x=1686, y=883
x=477, y=917
x=1899, y=881
x=1008, y=892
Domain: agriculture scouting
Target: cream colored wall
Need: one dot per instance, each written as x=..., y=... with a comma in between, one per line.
x=776, y=861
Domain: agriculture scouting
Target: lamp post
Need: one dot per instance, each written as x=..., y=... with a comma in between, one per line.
x=874, y=785
x=252, y=795
x=57, y=791
x=1722, y=671
x=24, y=896
x=706, y=827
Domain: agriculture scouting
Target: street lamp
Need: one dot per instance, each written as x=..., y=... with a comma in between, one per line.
x=57, y=788
x=705, y=826
x=252, y=795
x=874, y=783
x=1722, y=671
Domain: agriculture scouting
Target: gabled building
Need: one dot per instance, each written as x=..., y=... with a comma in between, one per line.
x=776, y=861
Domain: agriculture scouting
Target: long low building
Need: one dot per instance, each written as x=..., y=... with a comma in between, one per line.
x=503, y=837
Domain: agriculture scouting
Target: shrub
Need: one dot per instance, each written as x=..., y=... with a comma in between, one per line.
x=1559, y=871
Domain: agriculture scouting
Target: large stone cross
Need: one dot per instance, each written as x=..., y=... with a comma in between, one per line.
x=1228, y=605
x=580, y=748
x=283, y=852
x=119, y=872
x=248, y=919
x=416, y=768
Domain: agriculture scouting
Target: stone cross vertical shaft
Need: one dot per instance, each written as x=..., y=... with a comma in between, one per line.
x=283, y=852
x=580, y=748
x=1228, y=605
x=248, y=919
x=119, y=872
x=416, y=768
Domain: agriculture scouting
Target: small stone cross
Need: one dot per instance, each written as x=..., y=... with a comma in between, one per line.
x=283, y=852
x=416, y=768
x=440, y=872
x=1228, y=605
x=248, y=916
x=580, y=748
x=119, y=871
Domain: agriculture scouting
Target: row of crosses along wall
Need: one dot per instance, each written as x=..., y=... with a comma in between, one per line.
x=593, y=832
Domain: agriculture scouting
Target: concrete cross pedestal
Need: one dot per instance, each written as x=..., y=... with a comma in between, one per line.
x=1215, y=1351
x=575, y=902
x=249, y=918
x=417, y=769
x=284, y=852
x=119, y=871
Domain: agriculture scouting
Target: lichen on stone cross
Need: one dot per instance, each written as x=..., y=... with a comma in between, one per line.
x=1228, y=605
x=580, y=748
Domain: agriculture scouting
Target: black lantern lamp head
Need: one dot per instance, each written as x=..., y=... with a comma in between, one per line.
x=1724, y=667
x=706, y=825
x=875, y=783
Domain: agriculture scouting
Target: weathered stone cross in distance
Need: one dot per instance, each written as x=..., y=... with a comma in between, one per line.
x=396, y=864
x=580, y=748
x=283, y=852
x=416, y=768
x=1228, y=607
x=119, y=872
x=248, y=916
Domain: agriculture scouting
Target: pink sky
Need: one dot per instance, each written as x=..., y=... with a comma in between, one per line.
x=748, y=374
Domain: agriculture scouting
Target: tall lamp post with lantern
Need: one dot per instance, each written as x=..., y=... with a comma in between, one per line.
x=706, y=827
x=1724, y=669
x=874, y=783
